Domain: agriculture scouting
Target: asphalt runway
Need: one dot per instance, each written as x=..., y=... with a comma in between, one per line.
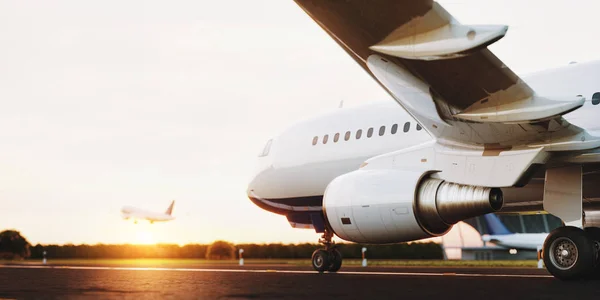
x=286, y=282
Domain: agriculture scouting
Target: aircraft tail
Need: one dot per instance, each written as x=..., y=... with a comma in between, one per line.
x=170, y=209
x=495, y=226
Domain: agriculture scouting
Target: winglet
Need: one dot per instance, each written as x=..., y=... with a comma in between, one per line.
x=170, y=209
x=495, y=226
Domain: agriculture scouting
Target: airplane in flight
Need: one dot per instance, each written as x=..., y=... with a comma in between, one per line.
x=465, y=136
x=501, y=236
x=128, y=212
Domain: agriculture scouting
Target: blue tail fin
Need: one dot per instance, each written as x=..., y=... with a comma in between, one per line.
x=495, y=226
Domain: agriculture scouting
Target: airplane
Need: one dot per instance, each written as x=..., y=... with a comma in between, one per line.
x=136, y=214
x=465, y=136
x=501, y=236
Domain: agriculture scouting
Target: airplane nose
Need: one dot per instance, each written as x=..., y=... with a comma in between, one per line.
x=254, y=184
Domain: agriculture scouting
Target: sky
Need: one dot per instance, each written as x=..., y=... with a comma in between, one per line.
x=112, y=103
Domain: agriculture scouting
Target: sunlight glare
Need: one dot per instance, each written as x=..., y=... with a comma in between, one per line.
x=145, y=237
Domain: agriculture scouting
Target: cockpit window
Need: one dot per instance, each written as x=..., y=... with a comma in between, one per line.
x=267, y=148
x=596, y=99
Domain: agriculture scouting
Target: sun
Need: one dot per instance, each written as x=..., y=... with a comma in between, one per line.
x=145, y=238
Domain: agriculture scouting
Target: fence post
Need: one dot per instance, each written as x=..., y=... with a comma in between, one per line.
x=540, y=258
x=364, y=259
x=241, y=258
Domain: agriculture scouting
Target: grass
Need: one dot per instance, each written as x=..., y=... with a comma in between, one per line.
x=199, y=263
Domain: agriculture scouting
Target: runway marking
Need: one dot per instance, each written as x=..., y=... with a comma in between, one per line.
x=273, y=271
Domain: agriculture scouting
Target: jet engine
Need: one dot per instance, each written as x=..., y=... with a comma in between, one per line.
x=591, y=218
x=391, y=206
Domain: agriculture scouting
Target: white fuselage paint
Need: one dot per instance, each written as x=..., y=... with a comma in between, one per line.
x=525, y=241
x=135, y=213
x=294, y=167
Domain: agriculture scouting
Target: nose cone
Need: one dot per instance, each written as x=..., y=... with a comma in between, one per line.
x=260, y=179
x=256, y=192
x=259, y=183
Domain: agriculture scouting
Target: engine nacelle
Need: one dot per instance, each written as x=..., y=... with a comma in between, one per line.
x=391, y=206
x=591, y=218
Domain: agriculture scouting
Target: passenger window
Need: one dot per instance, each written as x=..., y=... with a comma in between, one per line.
x=381, y=130
x=336, y=137
x=596, y=99
x=394, y=128
x=315, y=140
x=406, y=126
x=325, y=138
x=347, y=137
x=358, y=134
x=419, y=127
x=370, y=132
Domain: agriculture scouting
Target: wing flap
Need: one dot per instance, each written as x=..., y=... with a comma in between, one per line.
x=527, y=110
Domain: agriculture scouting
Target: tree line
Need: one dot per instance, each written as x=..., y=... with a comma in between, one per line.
x=14, y=246
x=258, y=251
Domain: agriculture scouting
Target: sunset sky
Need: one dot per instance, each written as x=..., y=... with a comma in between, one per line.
x=113, y=103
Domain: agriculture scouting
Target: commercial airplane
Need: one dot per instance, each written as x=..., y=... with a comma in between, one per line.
x=136, y=214
x=501, y=236
x=465, y=136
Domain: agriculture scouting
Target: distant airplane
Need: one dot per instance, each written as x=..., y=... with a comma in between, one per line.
x=501, y=236
x=136, y=214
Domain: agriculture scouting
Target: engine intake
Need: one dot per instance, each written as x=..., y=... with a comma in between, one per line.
x=390, y=206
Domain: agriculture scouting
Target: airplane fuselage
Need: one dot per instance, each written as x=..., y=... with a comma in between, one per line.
x=520, y=241
x=135, y=213
x=302, y=160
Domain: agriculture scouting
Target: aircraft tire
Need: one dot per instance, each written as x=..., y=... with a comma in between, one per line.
x=569, y=253
x=594, y=234
x=320, y=260
x=335, y=258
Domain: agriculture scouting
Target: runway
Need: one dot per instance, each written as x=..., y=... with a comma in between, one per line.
x=285, y=282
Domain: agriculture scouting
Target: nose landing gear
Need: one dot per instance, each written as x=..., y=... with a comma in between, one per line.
x=328, y=259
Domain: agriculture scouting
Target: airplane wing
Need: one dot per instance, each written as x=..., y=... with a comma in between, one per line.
x=443, y=74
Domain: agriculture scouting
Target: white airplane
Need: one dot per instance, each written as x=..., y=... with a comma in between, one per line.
x=501, y=236
x=464, y=137
x=136, y=214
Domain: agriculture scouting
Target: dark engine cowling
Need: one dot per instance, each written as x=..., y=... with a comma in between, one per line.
x=391, y=206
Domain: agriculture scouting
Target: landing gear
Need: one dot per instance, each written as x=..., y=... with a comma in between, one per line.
x=594, y=235
x=570, y=253
x=328, y=259
x=335, y=260
x=320, y=260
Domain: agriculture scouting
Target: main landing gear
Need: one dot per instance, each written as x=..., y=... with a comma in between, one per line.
x=572, y=253
x=328, y=259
